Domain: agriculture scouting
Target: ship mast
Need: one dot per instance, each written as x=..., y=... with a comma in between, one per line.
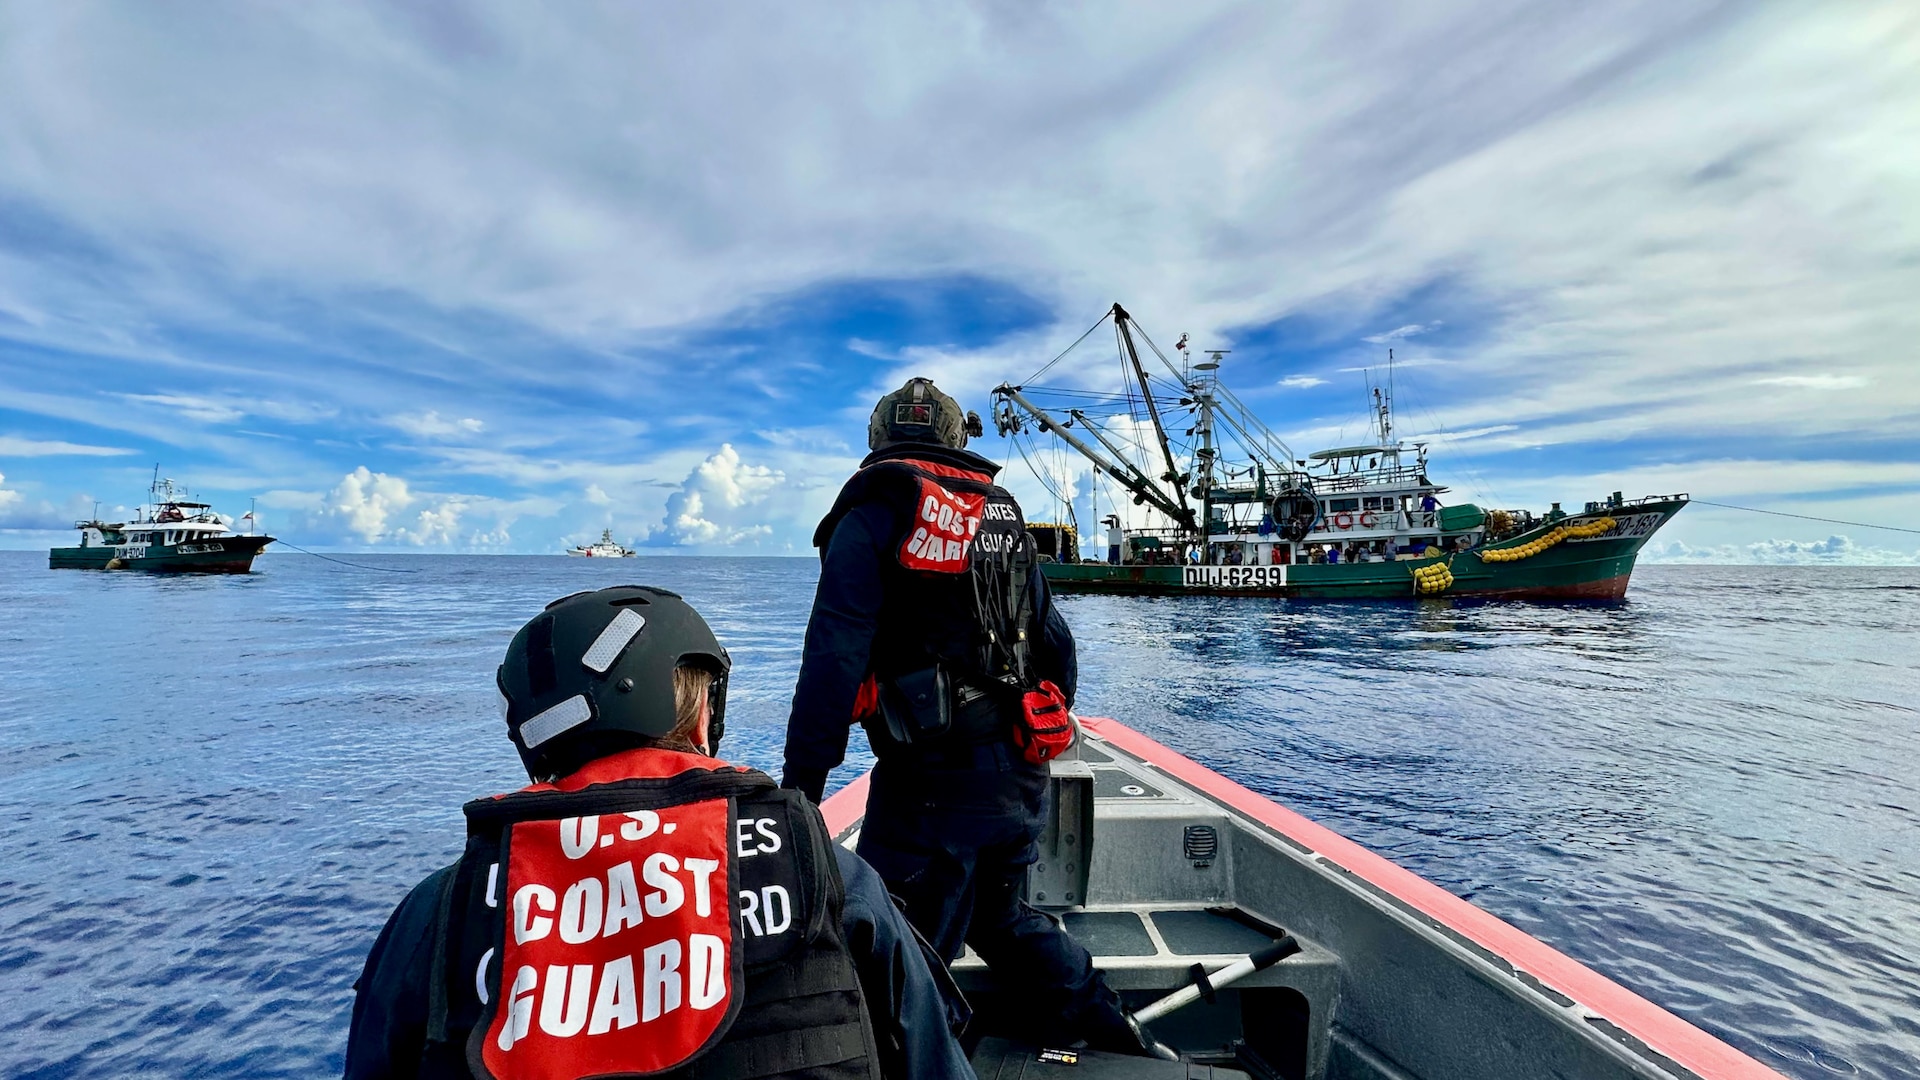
x=1221, y=421
x=1201, y=386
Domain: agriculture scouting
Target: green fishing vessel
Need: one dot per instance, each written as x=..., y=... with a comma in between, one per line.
x=172, y=534
x=1216, y=504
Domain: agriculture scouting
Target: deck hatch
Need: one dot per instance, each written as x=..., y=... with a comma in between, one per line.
x=1120, y=784
x=1110, y=933
x=1202, y=933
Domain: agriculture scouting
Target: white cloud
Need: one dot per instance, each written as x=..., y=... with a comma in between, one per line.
x=1835, y=550
x=1815, y=382
x=870, y=348
x=435, y=526
x=204, y=410
x=1462, y=436
x=382, y=509
x=13, y=446
x=431, y=425
x=225, y=409
x=720, y=502
x=1301, y=382
x=19, y=513
x=1403, y=333
x=364, y=500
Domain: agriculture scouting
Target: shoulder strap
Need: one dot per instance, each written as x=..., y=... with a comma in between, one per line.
x=437, y=982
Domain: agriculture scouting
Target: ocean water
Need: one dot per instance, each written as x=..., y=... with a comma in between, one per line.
x=214, y=790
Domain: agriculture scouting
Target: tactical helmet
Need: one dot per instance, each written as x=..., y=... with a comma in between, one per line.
x=919, y=412
x=595, y=668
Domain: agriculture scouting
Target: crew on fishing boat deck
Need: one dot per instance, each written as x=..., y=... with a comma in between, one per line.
x=644, y=907
x=933, y=628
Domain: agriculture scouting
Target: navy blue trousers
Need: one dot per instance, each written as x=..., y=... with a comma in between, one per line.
x=954, y=847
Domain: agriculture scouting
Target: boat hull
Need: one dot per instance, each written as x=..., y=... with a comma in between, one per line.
x=1573, y=569
x=1157, y=864
x=222, y=555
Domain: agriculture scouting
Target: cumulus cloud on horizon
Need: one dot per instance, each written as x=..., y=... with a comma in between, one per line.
x=721, y=502
x=1835, y=550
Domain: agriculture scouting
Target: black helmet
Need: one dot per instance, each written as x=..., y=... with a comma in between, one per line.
x=919, y=412
x=596, y=667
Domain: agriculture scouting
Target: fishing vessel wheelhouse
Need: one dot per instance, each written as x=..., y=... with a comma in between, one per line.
x=1241, y=515
x=171, y=534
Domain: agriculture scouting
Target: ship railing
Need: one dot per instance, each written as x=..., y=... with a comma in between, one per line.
x=1398, y=475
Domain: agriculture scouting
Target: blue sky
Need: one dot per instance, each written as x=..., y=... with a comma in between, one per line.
x=488, y=278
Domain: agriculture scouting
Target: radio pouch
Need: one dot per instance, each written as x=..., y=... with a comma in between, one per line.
x=917, y=706
x=1045, y=728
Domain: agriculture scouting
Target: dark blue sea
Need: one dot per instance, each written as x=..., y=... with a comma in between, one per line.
x=214, y=790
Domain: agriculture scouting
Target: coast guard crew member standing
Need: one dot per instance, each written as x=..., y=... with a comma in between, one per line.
x=932, y=626
x=643, y=907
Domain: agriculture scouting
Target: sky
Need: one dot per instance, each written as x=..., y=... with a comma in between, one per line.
x=493, y=277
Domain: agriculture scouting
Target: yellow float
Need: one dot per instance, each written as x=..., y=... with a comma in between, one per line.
x=1432, y=579
x=1538, y=544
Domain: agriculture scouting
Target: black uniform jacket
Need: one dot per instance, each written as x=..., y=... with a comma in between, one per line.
x=910, y=997
x=846, y=616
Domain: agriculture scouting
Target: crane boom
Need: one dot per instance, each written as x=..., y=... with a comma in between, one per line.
x=1118, y=467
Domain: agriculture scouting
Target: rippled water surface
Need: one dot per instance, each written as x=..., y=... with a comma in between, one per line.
x=214, y=790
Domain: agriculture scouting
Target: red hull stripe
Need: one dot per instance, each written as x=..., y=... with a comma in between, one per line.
x=1664, y=1032
x=844, y=808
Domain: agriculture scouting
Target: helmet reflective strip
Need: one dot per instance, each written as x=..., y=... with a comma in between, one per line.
x=608, y=646
x=569, y=714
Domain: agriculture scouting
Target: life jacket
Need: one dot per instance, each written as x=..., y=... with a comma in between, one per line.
x=654, y=914
x=957, y=589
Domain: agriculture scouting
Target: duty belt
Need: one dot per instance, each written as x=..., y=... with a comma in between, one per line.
x=982, y=713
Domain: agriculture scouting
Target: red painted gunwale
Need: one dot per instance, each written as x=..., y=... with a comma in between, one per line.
x=1661, y=1030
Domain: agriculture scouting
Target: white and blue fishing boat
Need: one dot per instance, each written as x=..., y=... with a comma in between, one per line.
x=171, y=534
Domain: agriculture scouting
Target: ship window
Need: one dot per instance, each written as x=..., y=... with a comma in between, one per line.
x=1335, y=506
x=1372, y=502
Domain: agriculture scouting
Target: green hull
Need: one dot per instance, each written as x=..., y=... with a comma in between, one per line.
x=1574, y=569
x=224, y=555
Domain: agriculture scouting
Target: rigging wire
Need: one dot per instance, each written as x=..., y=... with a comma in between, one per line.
x=1066, y=391
x=343, y=562
x=1480, y=486
x=1038, y=473
x=1070, y=348
x=1807, y=517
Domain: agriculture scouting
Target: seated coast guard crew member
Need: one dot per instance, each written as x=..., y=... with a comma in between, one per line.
x=644, y=907
x=932, y=627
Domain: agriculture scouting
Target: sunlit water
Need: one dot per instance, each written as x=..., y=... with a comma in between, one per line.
x=214, y=790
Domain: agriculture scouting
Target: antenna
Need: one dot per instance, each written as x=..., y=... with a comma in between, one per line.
x=1386, y=412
